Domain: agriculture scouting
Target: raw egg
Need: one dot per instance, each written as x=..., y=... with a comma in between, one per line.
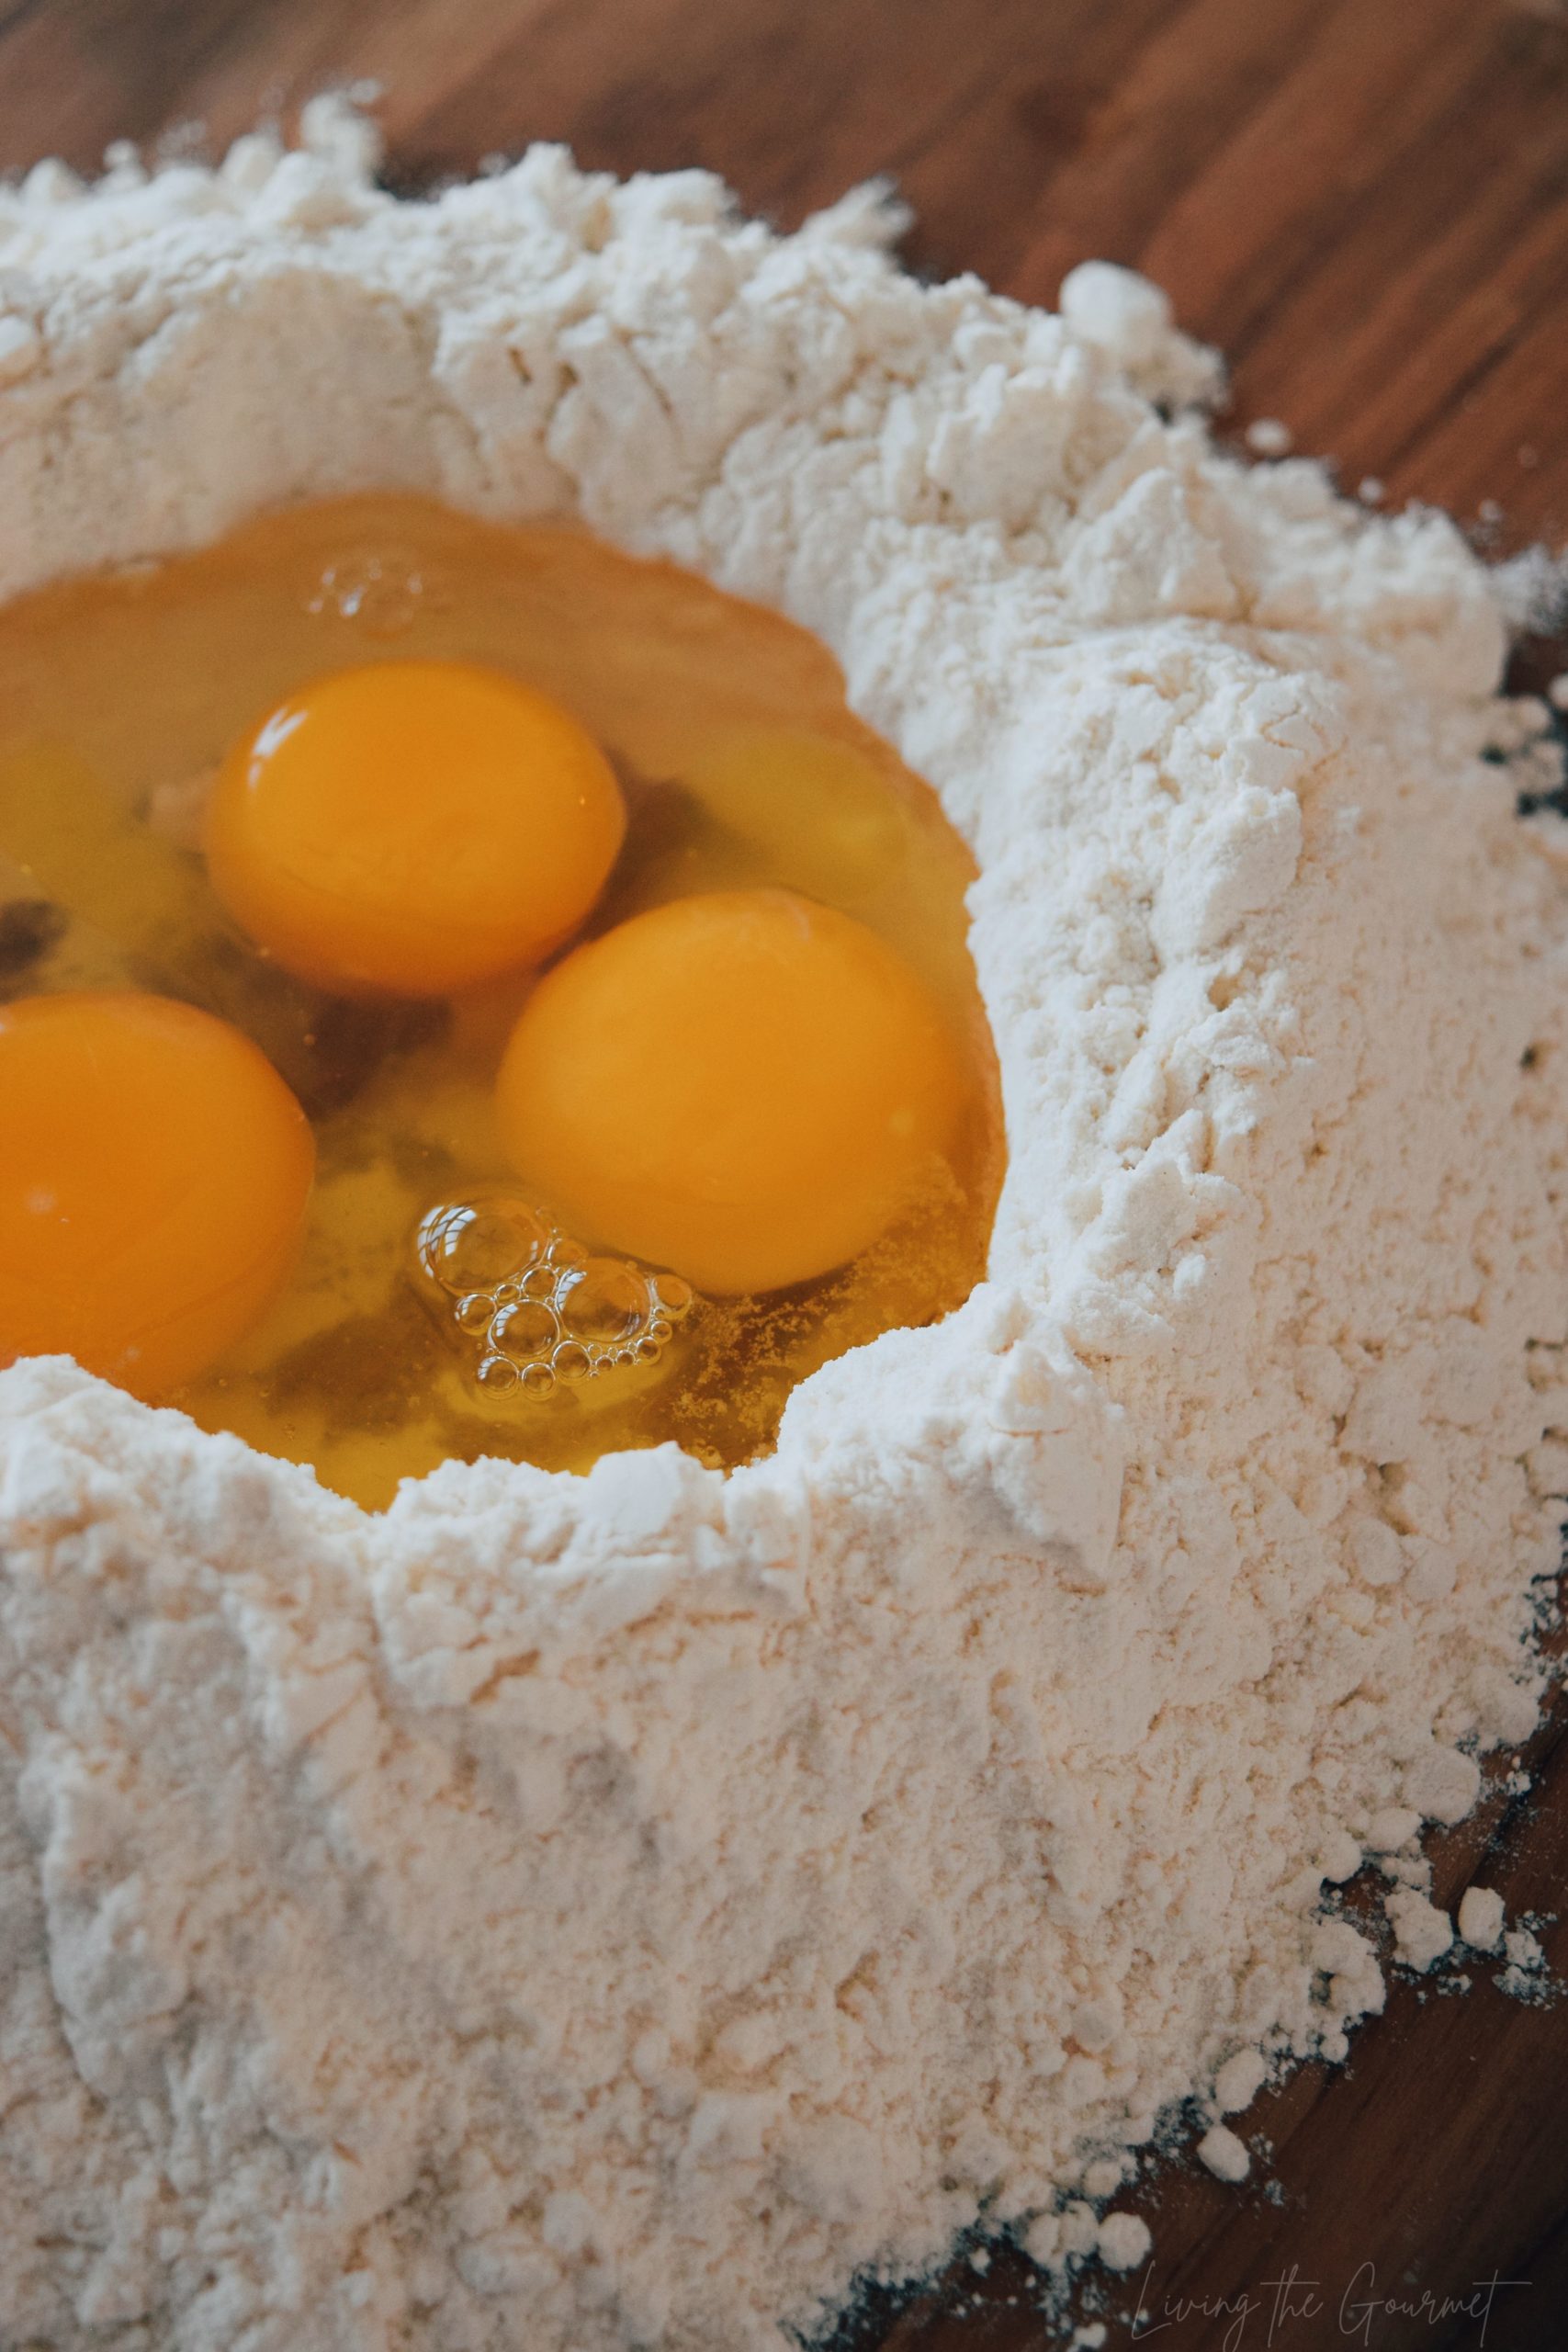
x=154, y=1171
x=414, y=828
x=744, y=1086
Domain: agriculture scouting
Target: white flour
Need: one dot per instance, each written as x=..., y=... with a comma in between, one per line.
x=584, y=1915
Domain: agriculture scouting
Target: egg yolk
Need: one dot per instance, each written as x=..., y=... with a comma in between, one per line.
x=743, y=1086
x=412, y=828
x=154, y=1171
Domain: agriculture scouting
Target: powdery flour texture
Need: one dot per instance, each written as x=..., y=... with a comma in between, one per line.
x=578, y=1915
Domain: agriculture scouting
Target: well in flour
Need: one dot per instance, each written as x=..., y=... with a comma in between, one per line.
x=746, y=1120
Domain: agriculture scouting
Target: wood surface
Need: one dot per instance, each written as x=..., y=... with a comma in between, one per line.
x=1366, y=206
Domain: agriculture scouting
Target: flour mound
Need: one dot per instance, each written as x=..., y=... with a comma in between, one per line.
x=597, y=1913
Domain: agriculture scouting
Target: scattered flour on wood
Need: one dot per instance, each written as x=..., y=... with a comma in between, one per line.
x=1479, y=1918
x=595, y=1914
x=1226, y=2156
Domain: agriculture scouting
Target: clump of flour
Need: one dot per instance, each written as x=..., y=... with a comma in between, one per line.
x=597, y=1913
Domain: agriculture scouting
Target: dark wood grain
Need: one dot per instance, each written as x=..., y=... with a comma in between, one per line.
x=1367, y=205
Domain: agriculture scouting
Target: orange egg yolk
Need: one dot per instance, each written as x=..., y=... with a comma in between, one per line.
x=744, y=1086
x=414, y=828
x=154, y=1171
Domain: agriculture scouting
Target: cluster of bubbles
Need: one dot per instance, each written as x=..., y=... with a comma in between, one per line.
x=540, y=1310
x=382, y=589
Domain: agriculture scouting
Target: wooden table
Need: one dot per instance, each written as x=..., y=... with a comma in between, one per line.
x=1366, y=206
